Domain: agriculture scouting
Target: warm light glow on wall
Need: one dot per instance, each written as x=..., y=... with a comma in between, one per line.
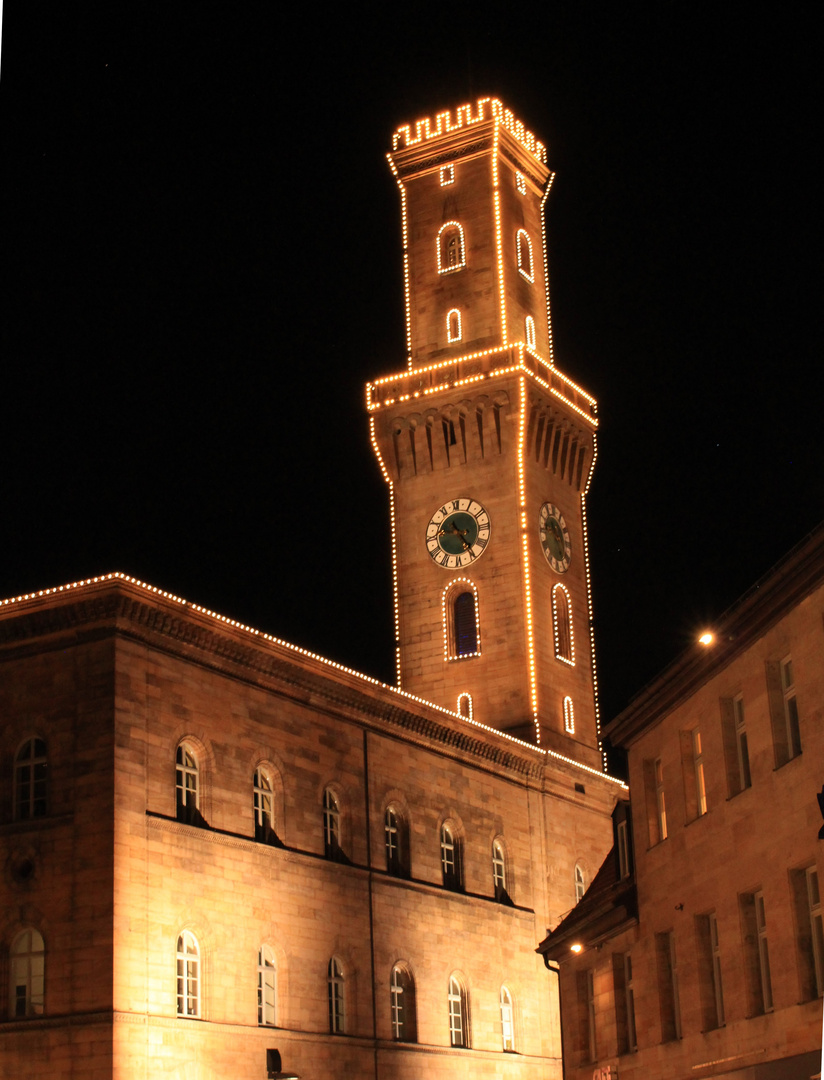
x=485, y=109
x=530, y=636
x=569, y=716
x=453, y=325
x=458, y=585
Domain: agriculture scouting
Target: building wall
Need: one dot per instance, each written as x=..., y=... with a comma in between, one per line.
x=761, y=838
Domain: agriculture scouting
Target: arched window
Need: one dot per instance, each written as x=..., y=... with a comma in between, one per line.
x=187, y=786
x=562, y=624
x=453, y=325
x=458, y=1013
x=507, y=1025
x=188, y=975
x=529, y=326
x=266, y=982
x=580, y=886
x=462, y=635
x=264, y=807
x=402, y=1005
x=447, y=175
x=523, y=247
x=30, y=780
x=396, y=839
x=27, y=962
x=451, y=249
x=465, y=705
x=569, y=716
x=337, y=1016
x=331, y=824
x=499, y=881
x=451, y=859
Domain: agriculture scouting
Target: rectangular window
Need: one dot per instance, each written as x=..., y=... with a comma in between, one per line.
x=656, y=801
x=756, y=952
x=623, y=849
x=668, y=987
x=763, y=951
x=629, y=991
x=783, y=710
x=593, y=1056
x=624, y=993
x=709, y=972
x=698, y=767
x=660, y=800
x=809, y=931
x=736, y=747
x=816, y=927
x=741, y=747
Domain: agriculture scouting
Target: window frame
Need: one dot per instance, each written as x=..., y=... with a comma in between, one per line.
x=331, y=823
x=442, y=246
x=562, y=624
x=28, y=804
x=741, y=745
x=717, y=980
x=507, y=1020
x=698, y=772
x=790, y=704
x=402, y=1008
x=267, y=987
x=660, y=799
x=763, y=951
x=27, y=972
x=526, y=265
x=263, y=793
x=500, y=877
x=336, y=991
x=569, y=716
x=529, y=332
x=187, y=783
x=580, y=884
x=456, y=588
x=451, y=857
x=458, y=1011
x=188, y=977
x=816, y=926
x=455, y=335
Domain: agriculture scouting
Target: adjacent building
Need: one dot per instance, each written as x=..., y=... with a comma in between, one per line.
x=698, y=950
x=221, y=852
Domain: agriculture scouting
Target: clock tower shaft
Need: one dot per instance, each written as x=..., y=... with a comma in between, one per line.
x=486, y=446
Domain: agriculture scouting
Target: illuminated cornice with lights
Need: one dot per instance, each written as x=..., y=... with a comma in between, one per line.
x=7, y=606
x=465, y=115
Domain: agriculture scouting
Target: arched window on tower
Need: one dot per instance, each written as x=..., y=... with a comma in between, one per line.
x=462, y=637
x=465, y=705
x=451, y=249
x=264, y=807
x=188, y=975
x=562, y=624
x=453, y=325
x=451, y=860
x=337, y=1013
x=267, y=974
x=402, y=1004
x=331, y=825
x=396, y=841
x=458, y=1000
x=30, y=780
x=569, y=716
x=187, y=786
x=524, y=252
x=529, y=326
x=507, y=1020
x=580, y=885
x=499, y=878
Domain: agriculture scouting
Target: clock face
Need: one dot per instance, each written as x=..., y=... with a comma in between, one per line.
x=457, y=533
x=555, y=538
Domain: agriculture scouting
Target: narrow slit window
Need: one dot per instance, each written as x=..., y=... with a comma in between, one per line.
x=266, y=986
x=187, y=785
x=562, y=624
x=453, y=325
x=507, y=1025
x=569, y=716
x=335, y=985
x=529, y=326
x=30, y=780
x=523, y=246
x=465, y=705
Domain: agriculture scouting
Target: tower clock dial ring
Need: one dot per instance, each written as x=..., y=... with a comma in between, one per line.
x=555, y=542
x=457, y=533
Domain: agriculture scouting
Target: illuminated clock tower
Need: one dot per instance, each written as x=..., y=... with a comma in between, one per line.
x=486, y=446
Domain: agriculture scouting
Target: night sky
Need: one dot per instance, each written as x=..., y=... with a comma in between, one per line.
x=201, y=243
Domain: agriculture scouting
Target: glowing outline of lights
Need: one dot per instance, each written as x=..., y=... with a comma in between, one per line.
x=585, y=531
x=466, y=697
x=530, y=634
x=530, y=275
x=464, y=117
x=458, y=266
x=447, y=175
x=445, y=616
x=395, y=593
x=496, y=202
x=569, y=716
x=406, y=290
x=546, y=270
x=520, y=182
x=459, y=336
x=529, y=330
x=556, y=623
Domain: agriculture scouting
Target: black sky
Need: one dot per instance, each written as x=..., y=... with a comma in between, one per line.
x=203, y=242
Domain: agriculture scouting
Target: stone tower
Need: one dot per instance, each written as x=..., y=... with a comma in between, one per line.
x=486, y=446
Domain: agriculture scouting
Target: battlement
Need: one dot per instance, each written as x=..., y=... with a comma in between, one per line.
x=484, y=109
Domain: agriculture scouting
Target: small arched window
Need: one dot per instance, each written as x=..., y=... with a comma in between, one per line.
x=266, y=985
x=396, y=839
x=569, y=716
x=507, y=1024
x=27, y=962
x=580, y=885
x=453, y=325
x=562, y=624
x=523, y=246
x=451, y=861
x=331, y=825
x=447, y=175
x=465, y=623
x=264, y=807
x=402, y=1005
x=30, y=780
x=529, y=327
x=451, y=249
x=187, y=787
x=458, y=1013
x=188, y=975
x=499, y=881
x=337, y=1015
x=465, y=705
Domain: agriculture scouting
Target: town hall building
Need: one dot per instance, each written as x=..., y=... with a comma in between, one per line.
x=224, y=856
